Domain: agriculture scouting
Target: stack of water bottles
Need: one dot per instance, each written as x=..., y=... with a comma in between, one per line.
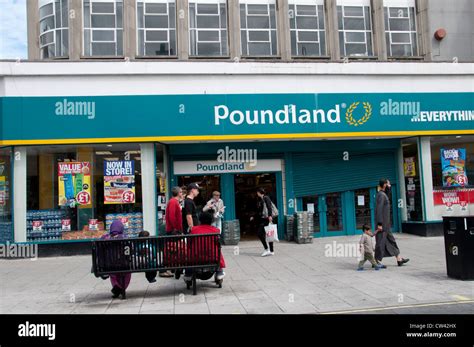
x=50, y=228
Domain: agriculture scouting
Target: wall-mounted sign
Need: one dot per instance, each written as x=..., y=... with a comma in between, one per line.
x=453, y=197
x=453, y=166
x=119, y=182
x=220, y=117
x=204, y=167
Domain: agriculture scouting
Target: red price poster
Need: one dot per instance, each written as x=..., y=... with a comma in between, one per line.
x=65, y=224
x=74, y=183
x=93, y=224
x=119, y=182
x=37, y=225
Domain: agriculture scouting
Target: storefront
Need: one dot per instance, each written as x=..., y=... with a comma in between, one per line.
x=72, y=162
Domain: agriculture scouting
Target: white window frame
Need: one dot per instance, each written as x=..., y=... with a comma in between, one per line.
x=218, y=3
x=362, y=4
x=145, y=30
x=92, y=29
x=408, y=5
x=314, y=3
x=53, y=30
x=269, y=30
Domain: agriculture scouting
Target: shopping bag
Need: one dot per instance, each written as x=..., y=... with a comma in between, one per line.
x=271, y=233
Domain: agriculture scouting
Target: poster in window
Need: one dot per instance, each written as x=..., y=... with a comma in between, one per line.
x=409, y=167
x=119, y=182
x=74, y=183
x=453, y=166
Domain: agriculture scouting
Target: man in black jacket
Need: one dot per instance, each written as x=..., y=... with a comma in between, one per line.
x=264, y=215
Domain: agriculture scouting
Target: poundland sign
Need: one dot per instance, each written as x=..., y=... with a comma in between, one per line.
x=174, y=118
x=217, y=167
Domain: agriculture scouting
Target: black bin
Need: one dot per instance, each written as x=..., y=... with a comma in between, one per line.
x=459, y=246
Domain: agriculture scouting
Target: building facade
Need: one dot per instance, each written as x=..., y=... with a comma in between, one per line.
x=313, y=100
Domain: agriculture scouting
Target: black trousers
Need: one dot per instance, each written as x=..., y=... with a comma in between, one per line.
x=261, y=234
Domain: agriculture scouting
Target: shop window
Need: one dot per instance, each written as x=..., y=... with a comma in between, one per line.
x=75, y=192
x=307, y=28
x=363, y=212
x=156, y=23
x=53, y=26
x=400, y=29
x=208, y=28
x=162, y=194
x=103, y=28
x=453, y=174
x=355, y=28
x=411, y=169
x=6, y=226
x=258, y=28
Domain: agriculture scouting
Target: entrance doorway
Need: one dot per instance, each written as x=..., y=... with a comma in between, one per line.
x=208, y=184
x=246, y=200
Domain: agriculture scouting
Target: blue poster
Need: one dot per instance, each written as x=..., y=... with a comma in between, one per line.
x=453, y=166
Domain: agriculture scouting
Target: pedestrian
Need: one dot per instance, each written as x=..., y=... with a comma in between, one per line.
x=205, y=218
x=386, y=246
x=217, y=205
x=367, y=249
x=119, y=282
x=173, y=213
x=149, y=252
x=264, y=217
x=190, y=218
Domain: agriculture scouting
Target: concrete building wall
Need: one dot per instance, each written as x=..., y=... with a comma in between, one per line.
x=456, y=17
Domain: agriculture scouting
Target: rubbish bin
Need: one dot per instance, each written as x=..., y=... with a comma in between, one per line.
x=459, y=246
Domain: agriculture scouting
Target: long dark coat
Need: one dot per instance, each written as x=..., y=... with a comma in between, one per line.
x=385, y=246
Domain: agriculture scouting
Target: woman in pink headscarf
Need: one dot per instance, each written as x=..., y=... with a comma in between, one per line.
x=120, y=282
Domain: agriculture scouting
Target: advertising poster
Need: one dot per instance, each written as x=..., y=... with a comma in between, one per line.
x=119, y=182
x=74, y=181
x=65, y=225
x=409, y=167
x=453, y=166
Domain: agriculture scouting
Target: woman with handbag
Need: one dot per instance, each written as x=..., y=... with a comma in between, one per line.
x=264, y=217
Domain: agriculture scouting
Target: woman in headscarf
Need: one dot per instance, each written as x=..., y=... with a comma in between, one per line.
x=119, y=282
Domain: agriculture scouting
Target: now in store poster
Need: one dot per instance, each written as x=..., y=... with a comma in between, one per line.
x=74, y=183
x=119, y=182
x=453, y=165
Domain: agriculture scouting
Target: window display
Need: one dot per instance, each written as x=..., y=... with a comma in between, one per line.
x=75, y=191
x=6, y=226
x=411, y=170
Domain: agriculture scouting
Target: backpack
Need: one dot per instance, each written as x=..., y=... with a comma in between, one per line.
x=265, y=209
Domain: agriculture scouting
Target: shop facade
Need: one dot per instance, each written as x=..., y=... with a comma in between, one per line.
x=85, y=143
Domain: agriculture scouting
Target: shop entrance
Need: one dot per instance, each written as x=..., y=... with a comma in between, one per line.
x=208, y=184
x=246, y=200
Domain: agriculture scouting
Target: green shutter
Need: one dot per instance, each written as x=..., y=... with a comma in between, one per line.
x=326, y=172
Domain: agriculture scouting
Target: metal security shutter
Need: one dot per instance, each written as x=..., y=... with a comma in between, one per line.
x=319, y=173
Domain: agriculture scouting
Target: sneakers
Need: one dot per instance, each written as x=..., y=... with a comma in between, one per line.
x=381, y=266
x=360, y=269
x=400, y=263
x=378, y=267
x=187, y=278
x=266, y=253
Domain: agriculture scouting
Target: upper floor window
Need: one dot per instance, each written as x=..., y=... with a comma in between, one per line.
x=308, y=36
x=103, y=28
x=208, y=28
x=54, y=33
x=355, y=27
x=400, y=28
x=258, y=27
x=156, y=23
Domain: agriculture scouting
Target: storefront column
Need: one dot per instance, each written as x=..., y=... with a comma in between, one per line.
x=19, y=194
x=149, y=187
x=401, y=186
x=288, y=182
x=426, y=175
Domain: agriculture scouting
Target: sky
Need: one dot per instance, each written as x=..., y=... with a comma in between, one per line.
x=13, y=39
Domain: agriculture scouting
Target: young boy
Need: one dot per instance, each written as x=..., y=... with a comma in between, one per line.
x=367, y=249
x=150, y=275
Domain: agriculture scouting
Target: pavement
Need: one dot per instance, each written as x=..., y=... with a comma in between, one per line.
x=298, y=279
